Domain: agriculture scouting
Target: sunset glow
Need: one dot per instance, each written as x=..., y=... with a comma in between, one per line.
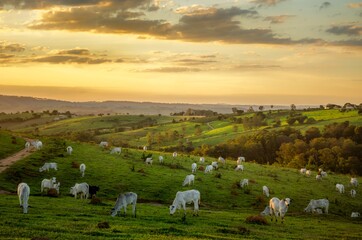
x=238, y=52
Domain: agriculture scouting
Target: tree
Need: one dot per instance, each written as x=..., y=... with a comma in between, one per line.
x=261, y=108
x=293, y=107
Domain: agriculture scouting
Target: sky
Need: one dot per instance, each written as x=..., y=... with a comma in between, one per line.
x=206, y=51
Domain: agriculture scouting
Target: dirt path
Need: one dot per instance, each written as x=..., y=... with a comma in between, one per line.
x=6, y=162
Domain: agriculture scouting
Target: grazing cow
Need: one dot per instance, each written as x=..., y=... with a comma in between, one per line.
x=279, y=208
x=353, y=193
x=222, y=160
x=27, y=146
x=266, y=191
x=355, y=214
x=318, y=177
x=193, y=167
x=323, y=174
x=160, y=159
x=202, y=159
x=209, y=169
x=82, y=169
x=183, y=198
x=47, y=184
x=103, y=144
x=23, y=193
x=149, y=160
x=317, y=204
x=308, y=173
x=174, y=154
x=93, y=190
x=239, y=167
x=48, y=166
x=240, y=160
x=69, y=150
x=189, y=179
x=303, y=170
x=215, y=165
x=37, y=144
x=116, y=150
x=244, y=182
x=340, y=188
x=144, y=148
x=354, y=182
x=266, y=211
x=123, y=200
x=82, y=188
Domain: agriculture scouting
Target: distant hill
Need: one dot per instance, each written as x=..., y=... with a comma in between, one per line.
x=12, y=104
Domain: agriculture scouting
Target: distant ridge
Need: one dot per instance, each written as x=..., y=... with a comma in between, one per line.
x=13, y=104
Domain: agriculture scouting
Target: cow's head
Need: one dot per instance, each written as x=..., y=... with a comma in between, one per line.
x=172, y=209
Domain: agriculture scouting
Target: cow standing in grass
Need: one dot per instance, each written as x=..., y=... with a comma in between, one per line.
x=123, y=200
x=23, y=193
x=183, y=198
x=278, y=208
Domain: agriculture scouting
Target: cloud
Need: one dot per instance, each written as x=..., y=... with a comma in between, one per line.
x=11, y=47
x=45, y=4
x=195, y=10
x=4, y=55
x=278, y=19
x=256, y=67
x=76, y=51
x=350, y=30
x=355, y=5
x=325, y=5
x=190, y=61
x=172, y=69
x=66, y=59
x=261, y=3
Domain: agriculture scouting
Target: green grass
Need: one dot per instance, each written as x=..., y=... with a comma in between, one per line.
x=9, y=144
x=224, y=206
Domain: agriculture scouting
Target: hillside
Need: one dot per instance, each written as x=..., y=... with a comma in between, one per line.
x=12, y=104
x=224, y=206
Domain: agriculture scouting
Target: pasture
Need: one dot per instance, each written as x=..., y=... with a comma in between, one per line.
x=223, y=210
x=9, y=144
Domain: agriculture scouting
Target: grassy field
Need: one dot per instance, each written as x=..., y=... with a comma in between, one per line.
x=9, y=144
x=224, y=206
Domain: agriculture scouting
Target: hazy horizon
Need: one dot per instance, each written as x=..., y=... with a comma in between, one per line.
x=260, y=52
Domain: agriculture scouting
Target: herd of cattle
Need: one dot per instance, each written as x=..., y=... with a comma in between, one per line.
x=277, y=207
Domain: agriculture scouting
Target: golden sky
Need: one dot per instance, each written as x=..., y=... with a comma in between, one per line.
x=210, y=51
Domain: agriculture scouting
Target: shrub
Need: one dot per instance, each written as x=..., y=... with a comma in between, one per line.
x=256, y=219
x=218, y=175
x=52, y=192
x=201, y=168
x=75, y=165
x=95, y=200
x=259, y=202
x=103, y=225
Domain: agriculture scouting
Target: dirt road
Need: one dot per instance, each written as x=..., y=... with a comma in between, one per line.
x=6, y=162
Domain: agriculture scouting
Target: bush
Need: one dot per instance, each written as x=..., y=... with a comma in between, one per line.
x=256, y=219
x=201, y=168
x=75, y=165
x=218, y=175
x=103, y=225
x=95, y=200
x=52, y=192
x=259, y=202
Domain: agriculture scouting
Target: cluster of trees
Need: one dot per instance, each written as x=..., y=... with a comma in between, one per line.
x=195, y=112
x=338, y=148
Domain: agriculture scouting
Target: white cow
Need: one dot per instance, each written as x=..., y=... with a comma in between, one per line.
x=340, y=188
x=69, y=150
x=222, y=160
x=123, y=200
x=239, y=168
x=303, y=170
x=144, y=148
x=183, y=198
x=37, y=144
x=240, y=160
x=160, y=159
x=354, y=182
x=355, y=214
x=215, y=165
x=48, y=184
x=353, y=193
x=209, y=169
x=23, y=193
x=48, y=166
x=149, y=160
x=174, y=154
x=103, y=144
x=278, y=208
x=266, y=191
x=193, y=167
x=82, y=188
x=244, y=182
x=189, y=179
x=116, y=150
x=323, y=174
x=202, y=159
x=317, y=204
x=82, y=169
x=318, y=177
x=27, y=146
x=308, y=173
